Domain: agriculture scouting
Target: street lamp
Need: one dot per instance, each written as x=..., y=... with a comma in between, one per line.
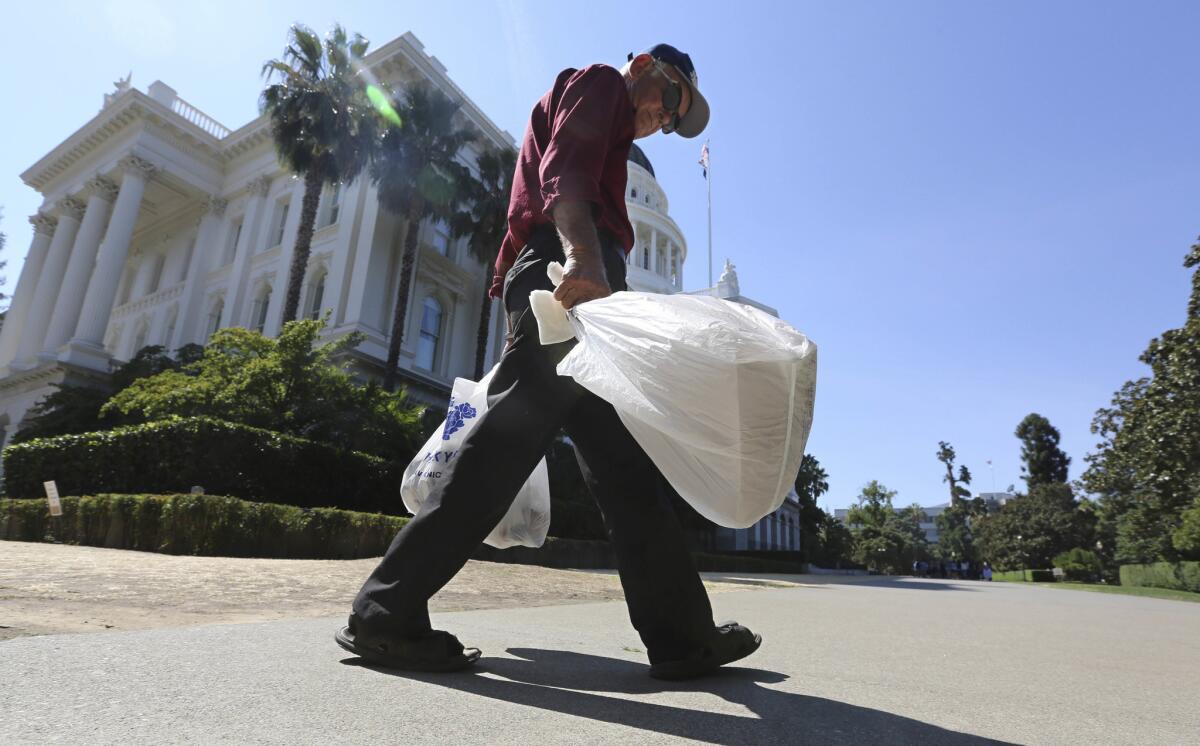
x=1021, y=553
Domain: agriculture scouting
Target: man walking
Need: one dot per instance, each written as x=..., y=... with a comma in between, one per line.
x=567, y=205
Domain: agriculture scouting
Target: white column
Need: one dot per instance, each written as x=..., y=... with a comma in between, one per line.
x=102, y=192
x=654, y=250
x=249, y=240
x=33, y=336
x=360, y=271
x=338, y=281
x=110, y=263
x=284, y=265
x=14, y=320
x=206, y=244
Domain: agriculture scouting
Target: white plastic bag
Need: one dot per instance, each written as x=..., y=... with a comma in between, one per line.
x=527, y=520
x=719, y=395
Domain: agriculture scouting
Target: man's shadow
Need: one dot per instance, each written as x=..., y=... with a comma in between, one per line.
x=568, y=683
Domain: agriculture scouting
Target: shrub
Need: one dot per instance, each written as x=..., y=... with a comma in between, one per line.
x=1019, y=576
x=225, y=458
x=1181, y=576
x=1079, y=564
x=203, y=525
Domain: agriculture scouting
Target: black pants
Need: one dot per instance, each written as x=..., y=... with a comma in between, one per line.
x=528, y=404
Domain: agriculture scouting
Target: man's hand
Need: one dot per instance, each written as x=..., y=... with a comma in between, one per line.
x=584, y=278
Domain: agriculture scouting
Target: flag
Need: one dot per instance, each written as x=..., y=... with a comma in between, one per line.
x=704, y=158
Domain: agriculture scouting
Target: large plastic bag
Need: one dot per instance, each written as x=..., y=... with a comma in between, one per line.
x=527, y=520
x=719, y=395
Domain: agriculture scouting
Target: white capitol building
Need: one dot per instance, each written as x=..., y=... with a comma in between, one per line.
x=159, y=225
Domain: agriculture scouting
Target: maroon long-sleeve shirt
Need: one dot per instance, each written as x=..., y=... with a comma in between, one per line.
x=575, y=148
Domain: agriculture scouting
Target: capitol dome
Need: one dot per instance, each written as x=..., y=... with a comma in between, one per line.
x=656, y=262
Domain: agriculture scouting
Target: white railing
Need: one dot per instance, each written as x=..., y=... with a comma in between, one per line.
x=200, y=119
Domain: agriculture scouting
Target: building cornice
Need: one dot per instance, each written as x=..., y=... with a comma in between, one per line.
x=123, y=112
x=413, y=50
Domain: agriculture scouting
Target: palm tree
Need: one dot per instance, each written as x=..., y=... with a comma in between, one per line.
x=485, y=223
x=323, y=125
x=418, y=177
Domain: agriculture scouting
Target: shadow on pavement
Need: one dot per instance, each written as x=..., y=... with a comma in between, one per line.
x=885, y=581
x=576, y=684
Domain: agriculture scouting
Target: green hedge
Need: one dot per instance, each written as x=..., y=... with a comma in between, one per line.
x=1032, y=576
x=224, y=458
x=1182, y=576
x=202, y=524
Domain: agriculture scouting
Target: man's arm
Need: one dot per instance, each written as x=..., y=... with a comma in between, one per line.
x=584, y=277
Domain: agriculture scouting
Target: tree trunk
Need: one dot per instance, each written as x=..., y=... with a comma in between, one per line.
x=308, y=219
x=485, y=319
x=397, y=334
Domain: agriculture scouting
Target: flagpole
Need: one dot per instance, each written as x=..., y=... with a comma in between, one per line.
x=708, y=178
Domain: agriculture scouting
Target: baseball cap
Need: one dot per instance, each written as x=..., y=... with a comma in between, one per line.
x=697, y=117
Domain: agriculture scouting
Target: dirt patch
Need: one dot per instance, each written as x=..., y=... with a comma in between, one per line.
x=53, y=588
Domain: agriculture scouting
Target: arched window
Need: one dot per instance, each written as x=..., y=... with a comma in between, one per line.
x=316, y=295
x=172, y=318
x=431, y=325
x=214, y=318
x=633, y=193
x=139, y=339
x=258, y=312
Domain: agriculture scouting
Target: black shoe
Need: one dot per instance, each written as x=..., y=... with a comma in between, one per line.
x=730, y=642
x=434, y=651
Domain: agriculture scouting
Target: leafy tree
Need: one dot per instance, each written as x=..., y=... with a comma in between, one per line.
x=1030, y=530
x=811, y=482
x=1146, y=469
x=1079, y=564
x=957, y=484
x=419, y=178
x=288, y=384
x=882, y=540
x=836, y=544
x=1044, y=461
x=323, y=125
x=76, y=408
x=1186, y=538
x=485, y=222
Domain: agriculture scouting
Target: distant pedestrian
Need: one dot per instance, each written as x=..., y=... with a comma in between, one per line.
x=987, y=572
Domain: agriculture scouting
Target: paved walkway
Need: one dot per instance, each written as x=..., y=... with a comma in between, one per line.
x=890, y=661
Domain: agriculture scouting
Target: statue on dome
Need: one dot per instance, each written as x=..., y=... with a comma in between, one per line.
x=119, y=87
x=729, y=277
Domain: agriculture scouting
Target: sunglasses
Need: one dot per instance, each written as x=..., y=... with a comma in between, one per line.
x=672, y=97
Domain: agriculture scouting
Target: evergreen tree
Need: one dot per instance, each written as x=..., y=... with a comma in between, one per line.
x=1044, y=461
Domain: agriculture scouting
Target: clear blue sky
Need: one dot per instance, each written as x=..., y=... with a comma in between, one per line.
x=977, y=210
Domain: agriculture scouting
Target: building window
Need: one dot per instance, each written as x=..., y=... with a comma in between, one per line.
x=281, y=210
x=258, y=312
x=633, y=193
x=316, y=296
x=139, y=339
x=431, y=323
x=439, y=237
x=235, y=235
x=171, y=320
x=645, y=257
x=333, y=202
x=214, y=318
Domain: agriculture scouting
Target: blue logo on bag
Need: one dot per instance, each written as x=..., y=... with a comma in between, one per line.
x=456, y=417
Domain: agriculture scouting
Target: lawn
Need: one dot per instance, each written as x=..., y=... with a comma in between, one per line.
x=1125, y=590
